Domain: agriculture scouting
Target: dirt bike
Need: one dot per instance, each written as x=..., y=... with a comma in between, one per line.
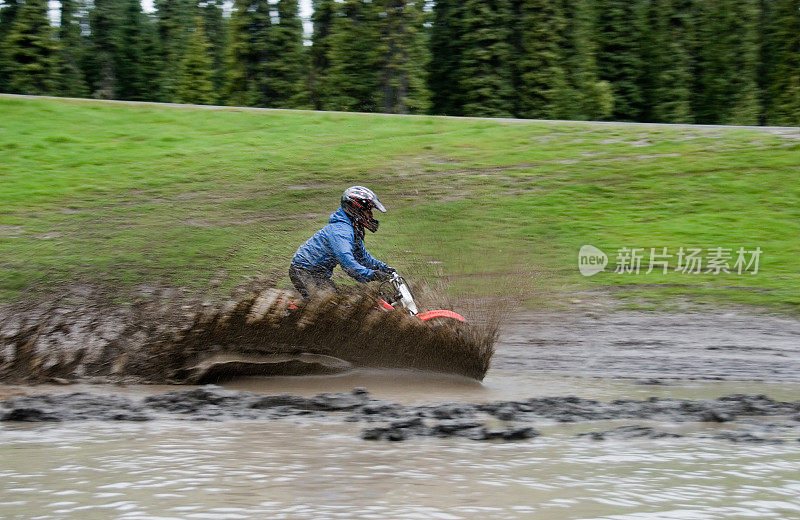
x=395, y=291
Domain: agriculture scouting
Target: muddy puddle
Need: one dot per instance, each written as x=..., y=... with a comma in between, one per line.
x=625, y=416
x=411, y=386
x=297, y=470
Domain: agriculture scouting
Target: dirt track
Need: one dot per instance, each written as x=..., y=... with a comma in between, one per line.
x=93, y=342
x=653, y=348
x=636, y=345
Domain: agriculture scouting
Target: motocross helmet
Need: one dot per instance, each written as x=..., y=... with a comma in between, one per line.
x=357, y=202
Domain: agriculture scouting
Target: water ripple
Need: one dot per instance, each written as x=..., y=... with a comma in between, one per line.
x=171, y=470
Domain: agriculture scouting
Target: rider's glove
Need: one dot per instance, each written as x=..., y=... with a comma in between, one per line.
x=380, y=276
x=390, y=270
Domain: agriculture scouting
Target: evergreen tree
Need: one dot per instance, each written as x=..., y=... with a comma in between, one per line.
x=8, y=12
x=667, y=79
x=542, y=78
x=445, y=45
x=31, y=52
x=130, y=58
x=250, y=25
x=405, y=56
x=322, y=20
x=484, y=71
x=726, y=90
x=153, y=70
x=620, y=39
x=767, y=52
x=284, y=80
x=175, y=20
x=782, y=63
x=589, y=98
x=216, y=30
x=746, y=106
x=194, y=81
x=353, y=77
x=73, y=83
x=104, y=21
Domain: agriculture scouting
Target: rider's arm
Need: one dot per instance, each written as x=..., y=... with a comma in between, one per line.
x=341, y=241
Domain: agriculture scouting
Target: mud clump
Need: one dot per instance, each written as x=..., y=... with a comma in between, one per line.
x=164, y=339
x=746, y=437
x=388, y=421
x=630, y=432
x=402, y=430
x=647, y=432
x=81, y=406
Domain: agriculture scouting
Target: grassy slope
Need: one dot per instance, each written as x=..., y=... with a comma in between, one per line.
x=133, y=194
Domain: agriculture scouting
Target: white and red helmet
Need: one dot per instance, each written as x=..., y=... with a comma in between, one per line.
x=357, y=203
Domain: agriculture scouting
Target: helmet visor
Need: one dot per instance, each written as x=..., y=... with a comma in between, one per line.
x=377, y=203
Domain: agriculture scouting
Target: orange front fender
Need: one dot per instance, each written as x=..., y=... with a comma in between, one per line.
x=440, y=313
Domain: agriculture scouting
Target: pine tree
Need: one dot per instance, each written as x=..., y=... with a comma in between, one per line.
x=445, y=45
x=322, y=20
x=194, y=80
x=238, y=84
x=484, y=72
x=73, y=49
x=104, y=21
x=746, y=107
x=353, y=79
x=31, y=52
x=726, y=90
x=284, y=79
x=668, y=79
x=589, y=98
x=619, y=58
x=175, y=20
x=542, y=79
x=153, y=70
x=216, y=29
x=404, y=57
x=8, y=12
x=782, y=63
x=250, y=42
x=130, y=58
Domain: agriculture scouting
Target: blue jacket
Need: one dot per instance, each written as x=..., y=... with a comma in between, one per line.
x=337, y=243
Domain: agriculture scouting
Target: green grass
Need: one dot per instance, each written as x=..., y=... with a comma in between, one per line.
x=126, y=195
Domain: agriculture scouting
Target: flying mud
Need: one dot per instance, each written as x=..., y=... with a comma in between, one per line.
x=163, y=340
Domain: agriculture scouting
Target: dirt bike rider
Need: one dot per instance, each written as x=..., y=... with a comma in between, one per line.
x=340, y=242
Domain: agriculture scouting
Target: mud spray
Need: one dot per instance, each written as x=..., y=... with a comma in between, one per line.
x=161, y=339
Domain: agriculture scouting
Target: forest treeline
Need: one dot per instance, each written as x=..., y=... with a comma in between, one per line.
x=673, y=61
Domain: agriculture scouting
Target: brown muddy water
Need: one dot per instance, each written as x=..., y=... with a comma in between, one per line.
x=316, y=468
x=302, y=470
